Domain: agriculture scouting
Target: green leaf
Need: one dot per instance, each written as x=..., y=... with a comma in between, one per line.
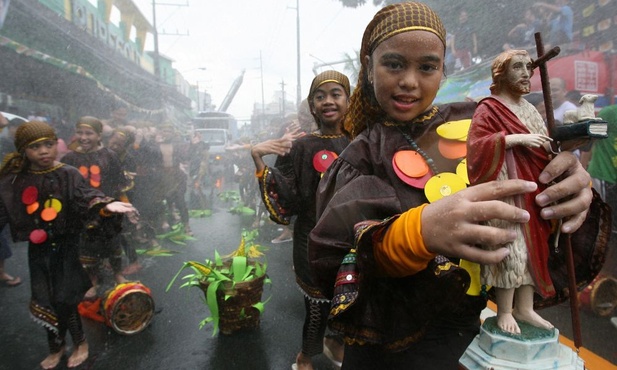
x=248, y=273
x=217, y=259
x=185, y=265
x=259, y=306
x=238, y=268
x=213, y=304
x=247, y=211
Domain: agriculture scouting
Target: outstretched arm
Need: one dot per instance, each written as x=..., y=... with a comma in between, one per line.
x=122, y=207
x=280, y=146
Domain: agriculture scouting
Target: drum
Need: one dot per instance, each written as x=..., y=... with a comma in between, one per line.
x=128, y=308
x=600, y=297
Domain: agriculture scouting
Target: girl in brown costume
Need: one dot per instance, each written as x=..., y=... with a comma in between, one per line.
x=288, y=189
x=103, y=171
x=48, y=202
x=377, y=250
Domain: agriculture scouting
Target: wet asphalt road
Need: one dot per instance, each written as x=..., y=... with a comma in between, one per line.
x=174, y=341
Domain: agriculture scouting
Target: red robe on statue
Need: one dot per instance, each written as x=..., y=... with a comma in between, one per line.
x=486, y=154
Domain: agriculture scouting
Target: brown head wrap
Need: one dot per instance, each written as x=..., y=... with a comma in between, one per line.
x=91, y=122
x=325, y=77
x=329, y=76
x=128, y=133
x=27, y=133
x=389, y=21
x=32, y=132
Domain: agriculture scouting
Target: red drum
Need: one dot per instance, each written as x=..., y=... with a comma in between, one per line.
x=128, y=308
x=600, y=297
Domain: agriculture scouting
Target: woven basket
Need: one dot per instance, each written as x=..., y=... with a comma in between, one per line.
x=241, y=297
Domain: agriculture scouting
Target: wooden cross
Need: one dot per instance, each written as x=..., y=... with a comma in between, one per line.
x=555, y=146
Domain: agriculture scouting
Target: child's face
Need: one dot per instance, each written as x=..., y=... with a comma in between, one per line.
x=330, y=103
x=406, y=71
x=88, y=138
x=42, y=154
x=117, y=143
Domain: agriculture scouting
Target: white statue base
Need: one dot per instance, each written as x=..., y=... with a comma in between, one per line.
x=492, y=350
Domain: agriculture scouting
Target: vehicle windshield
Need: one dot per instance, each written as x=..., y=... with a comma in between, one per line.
x=213, y=137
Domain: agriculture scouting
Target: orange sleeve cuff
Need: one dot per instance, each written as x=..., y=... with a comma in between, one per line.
x=402, y=251
x=260, y=174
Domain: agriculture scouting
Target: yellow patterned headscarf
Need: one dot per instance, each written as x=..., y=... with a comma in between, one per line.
x=325, y=77
x=90, y=122
x=329, y=76
x=389, y=21
x=28, y=133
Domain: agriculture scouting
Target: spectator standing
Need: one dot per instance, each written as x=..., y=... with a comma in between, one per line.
x=121, y=141
x=465, y=42
x=174, y=177
x=148, y=193
x=7, y=146
x=560, y=21
x=199, y=158
x=522, y=36
x=558, y=96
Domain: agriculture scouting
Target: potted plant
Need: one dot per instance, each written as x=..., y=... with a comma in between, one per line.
x=232, y=285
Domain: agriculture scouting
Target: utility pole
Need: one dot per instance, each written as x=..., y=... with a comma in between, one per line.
x=299, y=88
x=263, y=101
x=157, y=65
x=283, y=99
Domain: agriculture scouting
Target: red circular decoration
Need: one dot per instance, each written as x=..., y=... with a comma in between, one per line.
x=31, y=208
x=29, y=195
x=84, y=171
x=38, y=236
x=323, y=159
x=416, y=182
x=410, y=163
x=452, y=149
x=94, y=169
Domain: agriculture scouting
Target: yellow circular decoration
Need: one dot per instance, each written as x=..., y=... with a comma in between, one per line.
x=454, y=130
x=442, y=185
x=461, y=170
x=53, y=203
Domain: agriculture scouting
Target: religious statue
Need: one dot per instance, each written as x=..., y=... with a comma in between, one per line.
x=508, y=139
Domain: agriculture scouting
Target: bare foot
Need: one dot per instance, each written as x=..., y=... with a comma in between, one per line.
x=91, y=294
x=507, y=323
x=132, y=269
x=79, y=355
x=303, y=362
x=120, y=278
x=51, y=361
x=333, y=350
x=531, y=317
